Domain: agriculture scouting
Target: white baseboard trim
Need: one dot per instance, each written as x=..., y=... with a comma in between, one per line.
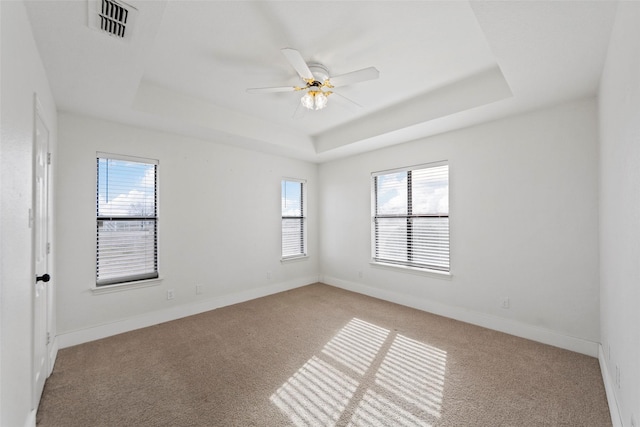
x=31, y=419
x=500, y=324
x=53, y=354
x=609, y=388
x=69, y=339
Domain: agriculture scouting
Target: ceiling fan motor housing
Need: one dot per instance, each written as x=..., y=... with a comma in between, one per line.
x=320, y=74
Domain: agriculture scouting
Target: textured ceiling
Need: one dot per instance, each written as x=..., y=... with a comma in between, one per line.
x=443, y=65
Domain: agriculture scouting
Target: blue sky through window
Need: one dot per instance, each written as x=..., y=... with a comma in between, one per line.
x=430, y=192
x=125, y=188
x=392, y=193
x=291, y=198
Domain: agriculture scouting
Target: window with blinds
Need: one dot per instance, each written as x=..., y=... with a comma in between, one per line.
x=294, y=243
x=127, y=219
x=411, y=217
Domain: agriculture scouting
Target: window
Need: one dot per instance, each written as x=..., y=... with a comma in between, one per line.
x=411, y=217
x=294, y=243
x=127, y=219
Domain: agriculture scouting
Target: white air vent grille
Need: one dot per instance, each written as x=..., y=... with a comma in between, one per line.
x=112, y=17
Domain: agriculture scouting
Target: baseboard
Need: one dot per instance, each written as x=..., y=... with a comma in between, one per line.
x=53, y=354
x=492, y=322
x=500, y=324
x=609, y=388
x=149, y=319
x=31, y=419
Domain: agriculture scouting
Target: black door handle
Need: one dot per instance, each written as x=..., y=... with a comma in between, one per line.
x=45, y=278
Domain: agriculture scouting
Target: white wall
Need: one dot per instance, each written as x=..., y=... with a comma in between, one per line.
x=523, y=220
x=22, y=75
x=219, y=227
x=619, y=103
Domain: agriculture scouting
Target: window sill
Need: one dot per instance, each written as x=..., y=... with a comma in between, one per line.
x=414, y=270
x=118, y=287
x=294, y=258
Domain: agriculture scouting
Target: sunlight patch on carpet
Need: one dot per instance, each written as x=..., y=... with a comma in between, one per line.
x=356, y=345
x=414, y=372
x=374, y=408
x=368, y=376
x=315, y=395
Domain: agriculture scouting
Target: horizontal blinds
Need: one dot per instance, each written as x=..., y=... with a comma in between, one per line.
x=292, y=237
x=127, y=221
x=430, y=243
x=293, y=219
x=411, y=217
x=430, y=191
x=391, y=239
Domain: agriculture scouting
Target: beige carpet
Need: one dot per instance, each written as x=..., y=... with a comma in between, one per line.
x=318, y=355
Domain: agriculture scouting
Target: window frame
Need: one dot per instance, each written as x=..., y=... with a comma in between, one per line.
x=409, y=216
x=137, y=280
x=302, y=217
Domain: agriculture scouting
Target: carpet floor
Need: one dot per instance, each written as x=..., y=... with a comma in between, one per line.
x=321, y=356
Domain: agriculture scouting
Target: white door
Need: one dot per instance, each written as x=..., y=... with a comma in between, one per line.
x=41, y=255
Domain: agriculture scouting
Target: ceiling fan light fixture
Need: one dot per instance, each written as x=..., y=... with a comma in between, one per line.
x=315, y=99
x=307, y=100
x=321, y=100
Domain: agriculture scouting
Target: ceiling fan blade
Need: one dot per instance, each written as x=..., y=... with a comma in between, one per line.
x=298, y=63
x=354, y=103
x=272, y=89
x=299, y=112
x=365, y=74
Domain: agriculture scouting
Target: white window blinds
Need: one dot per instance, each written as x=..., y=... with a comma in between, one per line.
x=293, y=219
x=127, y=220
x=411, y=217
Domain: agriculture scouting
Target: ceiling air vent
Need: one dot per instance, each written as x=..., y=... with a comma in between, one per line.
x=112, y=17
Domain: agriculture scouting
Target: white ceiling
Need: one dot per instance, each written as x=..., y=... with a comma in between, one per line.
x=443, y=65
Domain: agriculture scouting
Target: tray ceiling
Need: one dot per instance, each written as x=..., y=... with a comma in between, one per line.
x=443, y=65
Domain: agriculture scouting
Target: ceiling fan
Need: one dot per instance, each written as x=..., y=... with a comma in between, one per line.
x=317, y=80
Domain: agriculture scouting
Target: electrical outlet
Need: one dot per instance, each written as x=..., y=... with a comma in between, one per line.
x=504, y=302
x=170, y=294
x=359, y=274
x=268, y=275
x=198, y=289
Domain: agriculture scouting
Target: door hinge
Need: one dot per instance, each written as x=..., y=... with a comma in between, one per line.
x=48, y=248
x=48, y=158
x=48, y=338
